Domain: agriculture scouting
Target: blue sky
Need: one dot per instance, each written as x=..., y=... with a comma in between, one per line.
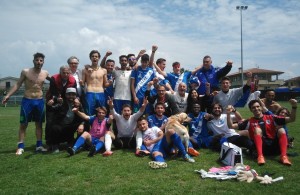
x=184, y=30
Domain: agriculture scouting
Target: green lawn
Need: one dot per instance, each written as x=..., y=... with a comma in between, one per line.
x=123, y=173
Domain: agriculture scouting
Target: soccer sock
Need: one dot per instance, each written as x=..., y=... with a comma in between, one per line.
x=159, y=158
x=107, y=142
x=283, y=144
x=178, y=143
x=21, y=145
x=39, y=143
x=99, y=145
x=80, y=141
x=258, y=144
x=190, y=144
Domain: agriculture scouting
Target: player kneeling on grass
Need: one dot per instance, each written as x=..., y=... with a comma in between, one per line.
x=99, y=134
x=165, y=146
x=146, y=137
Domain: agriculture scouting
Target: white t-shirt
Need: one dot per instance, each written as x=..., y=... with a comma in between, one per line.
x=219, y=126
x=78, y=76
x=151, y=134
x=122, y=85
x=126, y=127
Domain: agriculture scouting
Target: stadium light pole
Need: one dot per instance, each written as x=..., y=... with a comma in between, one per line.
x=241, y=8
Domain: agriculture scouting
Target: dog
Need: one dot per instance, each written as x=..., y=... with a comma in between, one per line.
x=175, y=123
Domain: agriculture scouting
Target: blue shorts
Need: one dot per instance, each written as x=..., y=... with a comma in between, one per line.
x=32, y=110
x=162, y=146
x=95, y=141
x=93, y=100
x=118, y=105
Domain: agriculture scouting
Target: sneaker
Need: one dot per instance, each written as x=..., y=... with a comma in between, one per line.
x=188, y=158
x=285, y=160
x=107, y=153
x=40, y=149
x=19, y=151
x=261, y=160
x=71, y=151
x=157, y=165
x=291, y=142
x=92, y=151
x=193, y=152
x=142, y=153
x=55, y=149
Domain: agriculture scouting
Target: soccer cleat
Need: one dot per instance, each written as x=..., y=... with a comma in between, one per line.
x=291, y=142
x=157, y=165
x=193, y=152
x=285, y=160
x=71, y=151
x=92, y=151
x=55, y=149
x=188, y=158
x=107, y=153
x=40, y=149
x=142, y=153
x=261, y=160
x=19, y=151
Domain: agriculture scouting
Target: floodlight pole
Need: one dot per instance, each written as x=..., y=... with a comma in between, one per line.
x=241, y=8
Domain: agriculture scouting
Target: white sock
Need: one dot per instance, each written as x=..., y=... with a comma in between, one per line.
x=107, y=142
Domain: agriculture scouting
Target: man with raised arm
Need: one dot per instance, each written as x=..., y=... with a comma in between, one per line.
x=32, y=106
x=95, y=79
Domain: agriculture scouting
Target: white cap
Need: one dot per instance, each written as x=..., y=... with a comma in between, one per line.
x=71, y=90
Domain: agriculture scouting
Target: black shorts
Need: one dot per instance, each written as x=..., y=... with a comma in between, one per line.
x=270, y=146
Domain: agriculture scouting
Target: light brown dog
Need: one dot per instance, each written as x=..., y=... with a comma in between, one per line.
x=175, y=123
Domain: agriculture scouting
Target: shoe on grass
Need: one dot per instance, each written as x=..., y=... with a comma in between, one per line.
x=19, y=151
x=188, y=158
x=40, y=149
x=71, y=151
x=285, y=160
x=193, y=152
x=157, y=165
x=107, y=153
x=261, y=160
x=92, y=151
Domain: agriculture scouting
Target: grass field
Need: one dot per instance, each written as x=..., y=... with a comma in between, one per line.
x=123, y=173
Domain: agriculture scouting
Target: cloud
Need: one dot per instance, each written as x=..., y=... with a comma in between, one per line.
x=185, y=31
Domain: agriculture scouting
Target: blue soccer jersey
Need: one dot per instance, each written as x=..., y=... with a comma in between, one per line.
x=176, y=79
x=154, y=121
x=142, y=77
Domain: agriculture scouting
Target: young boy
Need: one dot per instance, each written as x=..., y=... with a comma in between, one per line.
x=146, y=136
x=98, y=134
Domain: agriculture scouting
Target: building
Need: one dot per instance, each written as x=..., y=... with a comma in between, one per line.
x=268, y=79
x=7, y=82
x=293, y=83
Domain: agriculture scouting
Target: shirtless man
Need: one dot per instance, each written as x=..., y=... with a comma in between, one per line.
x=95, y=78
x=269, y=101
x=32, y=107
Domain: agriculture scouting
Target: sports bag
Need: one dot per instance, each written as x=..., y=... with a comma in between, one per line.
x=231, y=154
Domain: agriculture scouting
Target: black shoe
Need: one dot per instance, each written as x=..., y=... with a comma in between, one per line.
x=92, y=151
x=71, y=151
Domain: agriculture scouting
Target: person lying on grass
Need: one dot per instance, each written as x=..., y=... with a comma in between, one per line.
x=99, y=134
